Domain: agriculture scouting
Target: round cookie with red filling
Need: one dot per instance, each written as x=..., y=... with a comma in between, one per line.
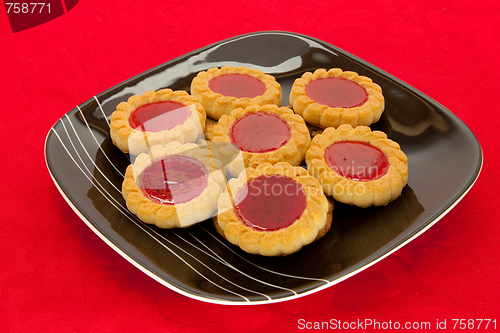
x=156, y=118
x=273, y=210
x=261, y=134
x=358, y=166
x=334, y=97
x=174, y=186
x=228, y=88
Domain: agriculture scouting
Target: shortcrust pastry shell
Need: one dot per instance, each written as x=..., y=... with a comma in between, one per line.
x=325, y=116
x=209, y=125
x=312, y=225
x=292, y=152
x=378, y=192
x=181, y=215
x=217, y=105
x=130, y=140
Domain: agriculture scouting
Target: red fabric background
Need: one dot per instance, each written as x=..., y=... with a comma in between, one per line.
x=57, y=276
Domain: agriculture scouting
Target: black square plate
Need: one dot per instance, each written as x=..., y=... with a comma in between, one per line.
x=444, y=160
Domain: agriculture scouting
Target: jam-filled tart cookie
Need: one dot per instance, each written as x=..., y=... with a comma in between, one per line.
x=156, y=118
x=273, y=210
x=358, y=166
x=228, y=88
x=174, y=186
x=335, y=97
x=262, y=134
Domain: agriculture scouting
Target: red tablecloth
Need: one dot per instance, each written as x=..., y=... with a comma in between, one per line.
x=58, y=276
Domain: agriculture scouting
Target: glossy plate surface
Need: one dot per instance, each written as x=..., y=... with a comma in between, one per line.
x=444, y=159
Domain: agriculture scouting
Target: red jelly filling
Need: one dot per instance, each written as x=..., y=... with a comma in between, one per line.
x=336, y=92
x=173, y=179
x=159, y=116
x=355, y=160
x=260, y=132
x=237, y=85
x=270, y=203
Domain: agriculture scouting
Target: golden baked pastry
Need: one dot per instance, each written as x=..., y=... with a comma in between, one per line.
x=173, y=186
x=273, y=210
x=156, y=118
x=334, y=97
x=262, y=134
x=228, y=88
x=358, y=166
x=209, y=125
